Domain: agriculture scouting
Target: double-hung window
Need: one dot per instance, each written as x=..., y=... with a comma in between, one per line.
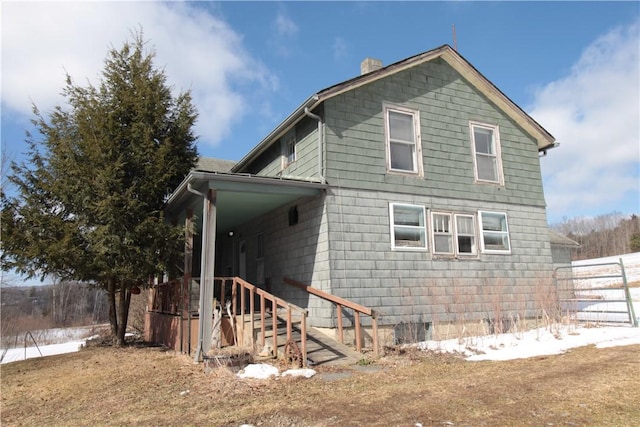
x=465, y=234
x=453, y=234
x=402, y=135
x=408, y=227
x=485, y=140
x=442, y=233
x=289, y=147
x=494, y=232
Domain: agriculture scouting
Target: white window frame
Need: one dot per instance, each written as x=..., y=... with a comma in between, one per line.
x=453, y=234
x=474, y=246
x=435, y=223
x=496, y=156
x=504, y=233
x=289, y=148
x=420, y=228
x=417, y=144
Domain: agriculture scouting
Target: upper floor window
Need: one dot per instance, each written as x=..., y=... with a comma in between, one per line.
x=408, y=227
x=485, y=140
x=453, y=234
x=289, y=147
x=402, y=137
x=494, y=232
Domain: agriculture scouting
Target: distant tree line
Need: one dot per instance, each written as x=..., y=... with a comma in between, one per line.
x=62, y=304
x=602, y=236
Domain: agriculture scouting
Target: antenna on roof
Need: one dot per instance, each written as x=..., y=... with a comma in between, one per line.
x=455, y=40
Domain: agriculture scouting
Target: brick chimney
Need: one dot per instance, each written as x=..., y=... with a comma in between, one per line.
x=369, y=65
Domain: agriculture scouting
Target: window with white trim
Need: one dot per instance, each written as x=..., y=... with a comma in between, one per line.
x=453, y=234
x=442, y=233
x=402, y=138
x=465, y=234
x=487, y=162
x=494, y=232
x=408, y=227
x=289, y=147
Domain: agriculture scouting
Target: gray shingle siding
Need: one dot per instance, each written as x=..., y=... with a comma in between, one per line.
x=300, y=252
x=404, y=285
x=356, y=149
x=272, y=160
x=342, y=243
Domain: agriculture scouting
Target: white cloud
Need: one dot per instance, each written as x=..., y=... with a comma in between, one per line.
x=198, y=51
x=285, y=30
x=285, y=26
x=594, y=113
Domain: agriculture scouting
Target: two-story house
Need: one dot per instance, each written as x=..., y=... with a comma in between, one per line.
x=414, y=189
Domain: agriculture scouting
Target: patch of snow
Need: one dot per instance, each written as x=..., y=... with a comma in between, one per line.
x=631, y=263
x=263, y=371
x=307, y=373
x=537, y=342
x=16, y=354
x=54, y=335
x=259, y=371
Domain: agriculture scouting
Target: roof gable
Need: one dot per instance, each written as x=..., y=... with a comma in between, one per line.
x=543, y=138
x=457, y=62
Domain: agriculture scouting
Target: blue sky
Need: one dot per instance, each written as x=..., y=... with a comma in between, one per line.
x=574, y=66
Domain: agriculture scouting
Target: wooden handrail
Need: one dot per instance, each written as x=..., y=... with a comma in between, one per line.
x=341, y=302
x=333, y=298
x=241, y=287
x=275, y=304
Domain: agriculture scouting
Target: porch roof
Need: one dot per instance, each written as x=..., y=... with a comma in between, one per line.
x=239, y=197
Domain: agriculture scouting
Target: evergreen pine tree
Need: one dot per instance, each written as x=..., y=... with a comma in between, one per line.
x=90, y=196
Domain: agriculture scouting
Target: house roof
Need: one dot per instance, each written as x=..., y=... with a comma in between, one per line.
x=558, y=239
x=544, y=139
x=210, y=164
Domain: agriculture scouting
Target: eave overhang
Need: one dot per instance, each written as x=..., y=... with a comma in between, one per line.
x=239, y=197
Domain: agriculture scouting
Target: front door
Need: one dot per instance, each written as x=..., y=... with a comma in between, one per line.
x=242, y=259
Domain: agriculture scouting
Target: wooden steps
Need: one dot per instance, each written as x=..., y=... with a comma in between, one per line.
x=321, y=349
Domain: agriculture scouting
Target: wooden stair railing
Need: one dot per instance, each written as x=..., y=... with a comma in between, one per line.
x=242, y=287
x=339, y=303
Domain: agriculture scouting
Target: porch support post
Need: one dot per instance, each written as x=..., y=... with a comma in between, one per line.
x=185, y=294
x=207, y=272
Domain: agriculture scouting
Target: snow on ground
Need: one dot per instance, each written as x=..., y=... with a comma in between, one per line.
x=16, y=354
x=555, y=339
x=631, y=263
x=49, y=342
x=607, y=304
x=263, y=371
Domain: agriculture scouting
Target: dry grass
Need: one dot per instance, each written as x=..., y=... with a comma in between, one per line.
x=148, y=386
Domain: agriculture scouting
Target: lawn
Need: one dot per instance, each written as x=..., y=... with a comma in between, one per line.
x=149, y=386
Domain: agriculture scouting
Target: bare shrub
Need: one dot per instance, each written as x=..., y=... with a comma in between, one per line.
x=548, y=310
x=460, y=307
